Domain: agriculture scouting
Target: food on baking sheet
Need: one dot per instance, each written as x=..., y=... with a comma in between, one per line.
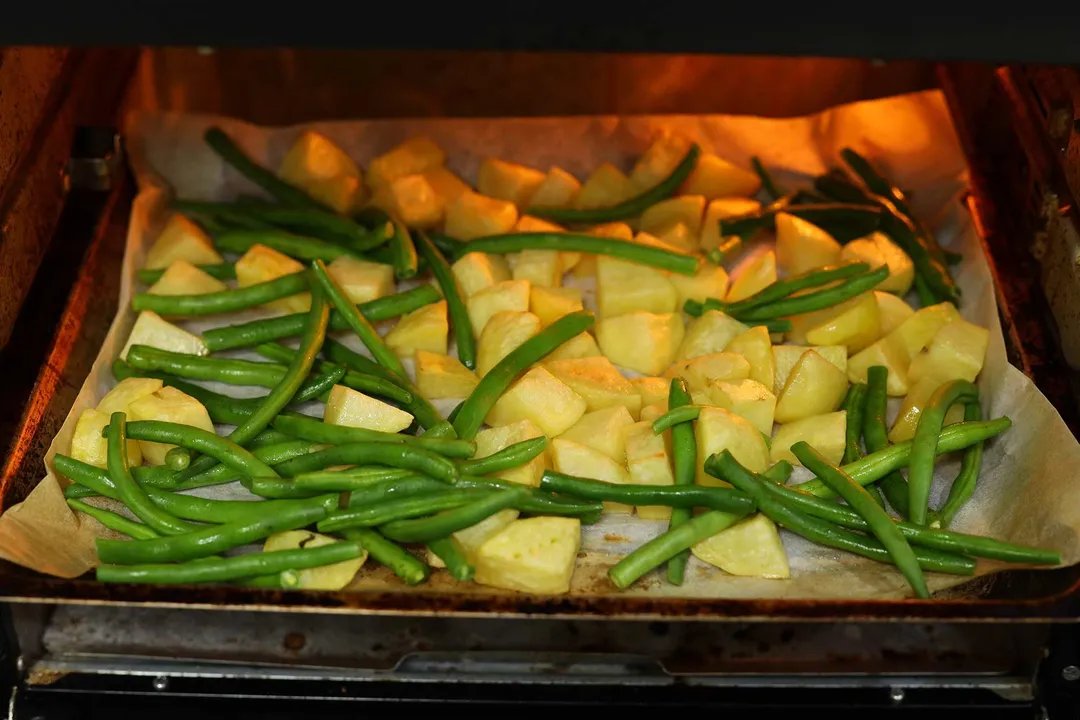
x=611, y=345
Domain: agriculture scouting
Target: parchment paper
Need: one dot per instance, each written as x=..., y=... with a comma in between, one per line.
x=1026, y=491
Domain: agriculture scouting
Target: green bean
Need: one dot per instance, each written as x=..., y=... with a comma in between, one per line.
x=924, y=293
x=385, y=552
x=206, y=510
x=225, y=301
x=289, y=489
x=836, y=186
x=232, y=568
x=674, y=416
x=684, y=464
x=269, y=436
x=630, y=208
x=221, y=449
x=780, y=289
x=231, y=153
x=221, y=271
x=944, y=540
x=537, y=502
x=669, y=545
x=964, y=484
x=400, y=508
x=362, y=491
x=128, y=491
x=220, y=474
x=674, y=261
x=308, y=428
x=767, y=183
x=447, y=245
x=934, y=272
x=726, y=467
x=318, y=386
x=177, y=459
x=855, y=405
x=221, y=408
x=444, y=429
x=460, y=323
x=876, y=436
x=359, y=324
x=679, y=497
x=448, y=522
x=725, y=251
x=876, y=465
x=403, y=252
x=76, y=491
x=879, y=522
x=93, y=480
x=195, y=367
x=295, y=246
x=209, y=540
x=364, y=382
x=456, y=563
x=510, y=457
x=924, y=444
x=843, y=221
x=114, y=521
x=498, y=379
x=228, y=217
x=260, y=331
x=817, y=300
x=404, y=457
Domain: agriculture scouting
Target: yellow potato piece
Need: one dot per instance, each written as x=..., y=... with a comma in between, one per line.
x=666, y=152
x=907, y=417
x=415, y=155
x=577, y=347
x=127, y=391
x=440, y=376
x=756, y=346
x=150, y=329
x=474, y=215
x=412, y=200
x=717, y=430
x=681, y=209
x=503, y=334
x=425, y=328
x=624, y=287
x=469, y=540
x=183, y=278
x=855, y=323
x=648, y=461
x=750, y=548
x=607, y=186
x=957, y=352
x=509, y=181
x=825, y=433
x=876, y=250
x=362, y=281
x=314, y=157
x=88, y=445
x=168, y=405
x=261, y=264
x=542, y=398
x=753, y=276
x=571, y=458
x=551, y=303
x=815, y=387
x=351, y=408
x=885, y=354
x=559, y=190
x=710, y=281
x=539, y=267
x=892, y=310
x=723, y=209
x=802, y=246
x=715, y=177
x=651, y=389
x=915, y=333
x=746, y=398
x=492, y=440
x=598, y=382
x=602, y=430
x=182, y=239
x=700, y=371
x=509, y=295
x=709, y=333
x=642, y=342
x=534, y=555
x=786, y=356
x=328, y=577
x=447, y=186
x=479, y=271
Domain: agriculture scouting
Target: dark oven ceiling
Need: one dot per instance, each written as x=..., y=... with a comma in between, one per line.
x=825, y=29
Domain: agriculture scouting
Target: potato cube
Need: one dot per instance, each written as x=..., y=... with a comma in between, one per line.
x=607, y=186
x=651, y=389
x=618, y=230
x=885, y=354
x=469, y=540
x=699, y=397
x=577, y=347
x=492, y=440
x=559, y=190
x=642, y=342
x=703, y=369
x=571, y=458
x=907, y=417
x=717, y=430
x=710, y=281
x=815, y=387
x=786, y=356
x=509, y=181
x=644, y=238
x=343, y=194
x=623, y=287
x=598, y=382
x=710, y=333
x=125, y=392
x=540, y=267
x=666, y=152
x=802, y=246
x=315, y=157
x=542, y=398
x=415, y=155
x=88, y=445
x=262, y=264
x=503, y=334
x=551, y=303
x=684, y=209
x=362, y=281
x=530, y=224
x=677, y=237
x=756, y=346
x=892, y=310
x=876, y=250
x=535, y=555
x=441, y=376
x=753, y=276
x=825, y=433
x=649, y=463
x=348, y=407
x=479, y=271
x=150, y=329
x=723, y=209
x=425, y=328
x=510, y=295
x=412, y=200
x=168, y=405
x=473, y=215
x=447, y=186
x=715, y=177
x=750, y=548
x=182, y=240
x=957, y=352
x=746, y=398
x=183, y=278
x=915, y=333
x=649, y=413
x=326, y=577
x=854, y=323
x=602, y=430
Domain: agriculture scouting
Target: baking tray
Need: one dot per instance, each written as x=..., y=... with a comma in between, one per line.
x=1021, y=595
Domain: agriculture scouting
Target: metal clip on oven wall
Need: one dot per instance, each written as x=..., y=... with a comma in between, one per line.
x=96, y=161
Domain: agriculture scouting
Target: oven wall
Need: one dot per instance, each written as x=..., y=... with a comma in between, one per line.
x=278, y=87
